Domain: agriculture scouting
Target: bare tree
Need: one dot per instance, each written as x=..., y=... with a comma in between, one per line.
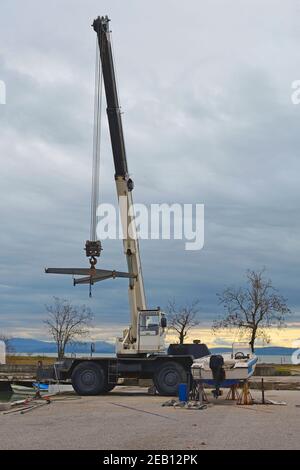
x=182, y=319
x=67, y=323
x=253, y=309
x=7, y=341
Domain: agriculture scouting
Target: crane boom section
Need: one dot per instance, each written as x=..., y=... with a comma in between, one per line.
x=101, y=26
x=124, y=184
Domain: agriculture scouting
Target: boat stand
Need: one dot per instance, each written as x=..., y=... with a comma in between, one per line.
x=198, y=392
x=245, y=397
x=233, y=393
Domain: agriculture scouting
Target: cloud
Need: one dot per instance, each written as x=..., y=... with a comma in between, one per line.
x=207, y=118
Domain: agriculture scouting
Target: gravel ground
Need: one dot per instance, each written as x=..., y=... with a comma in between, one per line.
x=128, y=418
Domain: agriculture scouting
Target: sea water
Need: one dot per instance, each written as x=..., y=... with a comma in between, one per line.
x=274, y=359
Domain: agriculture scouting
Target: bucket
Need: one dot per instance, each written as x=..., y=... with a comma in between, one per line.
x=183, y=392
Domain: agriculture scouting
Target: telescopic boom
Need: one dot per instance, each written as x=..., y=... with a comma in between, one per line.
x=124, y=183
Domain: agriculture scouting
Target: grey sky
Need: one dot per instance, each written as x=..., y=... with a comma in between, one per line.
x=206, y=93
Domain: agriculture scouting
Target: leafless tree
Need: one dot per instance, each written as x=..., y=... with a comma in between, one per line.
x=67, y=323
x=253, y=309
x=7, y=341
x=183, y=318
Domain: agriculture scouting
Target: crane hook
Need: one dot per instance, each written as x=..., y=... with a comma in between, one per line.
x=93, y=262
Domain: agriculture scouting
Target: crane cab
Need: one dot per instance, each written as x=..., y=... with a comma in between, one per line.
x=151, y=331
x=151, y=328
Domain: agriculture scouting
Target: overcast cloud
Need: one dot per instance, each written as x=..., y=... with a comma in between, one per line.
x=206, y=92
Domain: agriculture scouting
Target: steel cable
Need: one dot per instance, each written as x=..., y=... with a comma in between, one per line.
x=96, y=145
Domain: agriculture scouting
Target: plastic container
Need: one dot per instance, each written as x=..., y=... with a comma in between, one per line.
x=183, y=392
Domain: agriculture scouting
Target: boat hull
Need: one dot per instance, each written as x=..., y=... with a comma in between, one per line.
x=233, y=376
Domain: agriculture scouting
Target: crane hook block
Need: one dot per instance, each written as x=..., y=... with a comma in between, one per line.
x=93, y=248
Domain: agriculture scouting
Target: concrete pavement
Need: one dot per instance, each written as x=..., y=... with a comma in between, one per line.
x=128, y=418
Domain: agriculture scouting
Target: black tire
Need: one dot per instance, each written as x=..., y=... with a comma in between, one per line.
x=89, y=378
x=168, y=377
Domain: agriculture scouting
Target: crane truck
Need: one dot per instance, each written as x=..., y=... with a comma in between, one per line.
x=141, y=351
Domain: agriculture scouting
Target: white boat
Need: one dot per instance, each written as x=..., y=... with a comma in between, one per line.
x=233, y=368
x=44, y=388
x=22, y=390
x=60, y=388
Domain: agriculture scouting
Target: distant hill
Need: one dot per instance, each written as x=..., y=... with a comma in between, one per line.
x=34, y=346
x=267, y=351
x=27, y=345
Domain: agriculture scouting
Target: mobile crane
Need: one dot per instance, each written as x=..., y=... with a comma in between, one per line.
x=141, y=351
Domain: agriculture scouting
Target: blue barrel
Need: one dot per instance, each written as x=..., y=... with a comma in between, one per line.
x=183, y=392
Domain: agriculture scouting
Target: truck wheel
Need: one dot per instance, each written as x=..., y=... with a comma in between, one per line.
x=168, y=377
x=89, y=378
